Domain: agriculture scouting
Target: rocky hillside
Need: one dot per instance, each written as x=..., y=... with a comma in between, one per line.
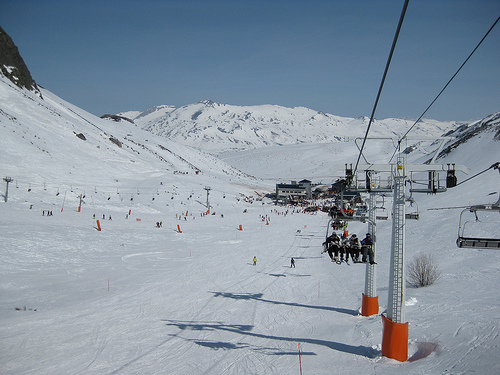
x=12, y=64
x=488, y=127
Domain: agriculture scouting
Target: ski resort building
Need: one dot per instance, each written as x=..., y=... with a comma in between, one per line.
x=294, y=191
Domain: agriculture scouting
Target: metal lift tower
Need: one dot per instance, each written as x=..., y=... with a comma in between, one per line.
x=395, y=329
x=7, y=180
x=207, y=188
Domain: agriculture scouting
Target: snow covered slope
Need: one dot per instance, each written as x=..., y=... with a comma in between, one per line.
x=148, y=116
x=49, y=142
x=216, y=127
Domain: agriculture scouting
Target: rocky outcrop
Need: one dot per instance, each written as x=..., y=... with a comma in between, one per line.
x=12, y=64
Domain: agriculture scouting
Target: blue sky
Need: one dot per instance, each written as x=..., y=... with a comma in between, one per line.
x=114, y=56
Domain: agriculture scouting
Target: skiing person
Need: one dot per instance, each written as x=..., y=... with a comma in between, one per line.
x=292, y=263
x=254, y=261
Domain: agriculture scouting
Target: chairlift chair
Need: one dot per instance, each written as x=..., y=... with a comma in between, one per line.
x=483, y=220
x=354, y=212
x=329, y=231
x=412, y=212
x=382, y=213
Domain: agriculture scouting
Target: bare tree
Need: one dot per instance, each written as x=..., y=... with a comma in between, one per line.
x=422, y=271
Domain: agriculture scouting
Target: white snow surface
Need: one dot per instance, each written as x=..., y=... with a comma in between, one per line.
x=218, y=128
x=137, y=299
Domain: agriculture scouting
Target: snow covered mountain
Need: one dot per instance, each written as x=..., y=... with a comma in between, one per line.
x=217, y=128
x=489, y=126
x=47, y=141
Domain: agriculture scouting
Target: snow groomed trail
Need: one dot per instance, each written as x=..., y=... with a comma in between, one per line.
x=174, y=297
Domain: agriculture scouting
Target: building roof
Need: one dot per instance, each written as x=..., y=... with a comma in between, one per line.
x=290, y=186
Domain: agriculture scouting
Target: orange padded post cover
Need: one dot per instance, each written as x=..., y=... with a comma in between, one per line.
x=369, y=306
x=395, y=340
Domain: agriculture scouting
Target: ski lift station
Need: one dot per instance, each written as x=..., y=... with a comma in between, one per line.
x=294, y=191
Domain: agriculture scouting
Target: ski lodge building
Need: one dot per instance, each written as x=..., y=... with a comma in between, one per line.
x=294, y=191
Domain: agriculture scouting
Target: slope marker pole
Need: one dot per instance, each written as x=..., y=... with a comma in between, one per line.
x=300, y=361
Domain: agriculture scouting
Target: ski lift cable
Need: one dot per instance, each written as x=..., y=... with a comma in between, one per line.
x=444, y=88
x=496, y=166
x=447, y=208
x=405, y=6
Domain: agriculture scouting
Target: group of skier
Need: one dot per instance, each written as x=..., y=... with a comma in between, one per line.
x=340, y=248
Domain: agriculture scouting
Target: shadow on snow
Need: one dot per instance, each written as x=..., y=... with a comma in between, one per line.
x=245, y=330
x=258, y=297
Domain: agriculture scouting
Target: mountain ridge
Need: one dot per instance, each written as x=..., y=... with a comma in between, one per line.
x=218, y=128
x=45, y=138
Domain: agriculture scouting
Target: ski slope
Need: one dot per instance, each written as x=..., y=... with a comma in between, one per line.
x=192, y=302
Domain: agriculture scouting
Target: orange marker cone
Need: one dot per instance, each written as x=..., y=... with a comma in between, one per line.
x=241, y=227
x=179, y=228
x=98, y=226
